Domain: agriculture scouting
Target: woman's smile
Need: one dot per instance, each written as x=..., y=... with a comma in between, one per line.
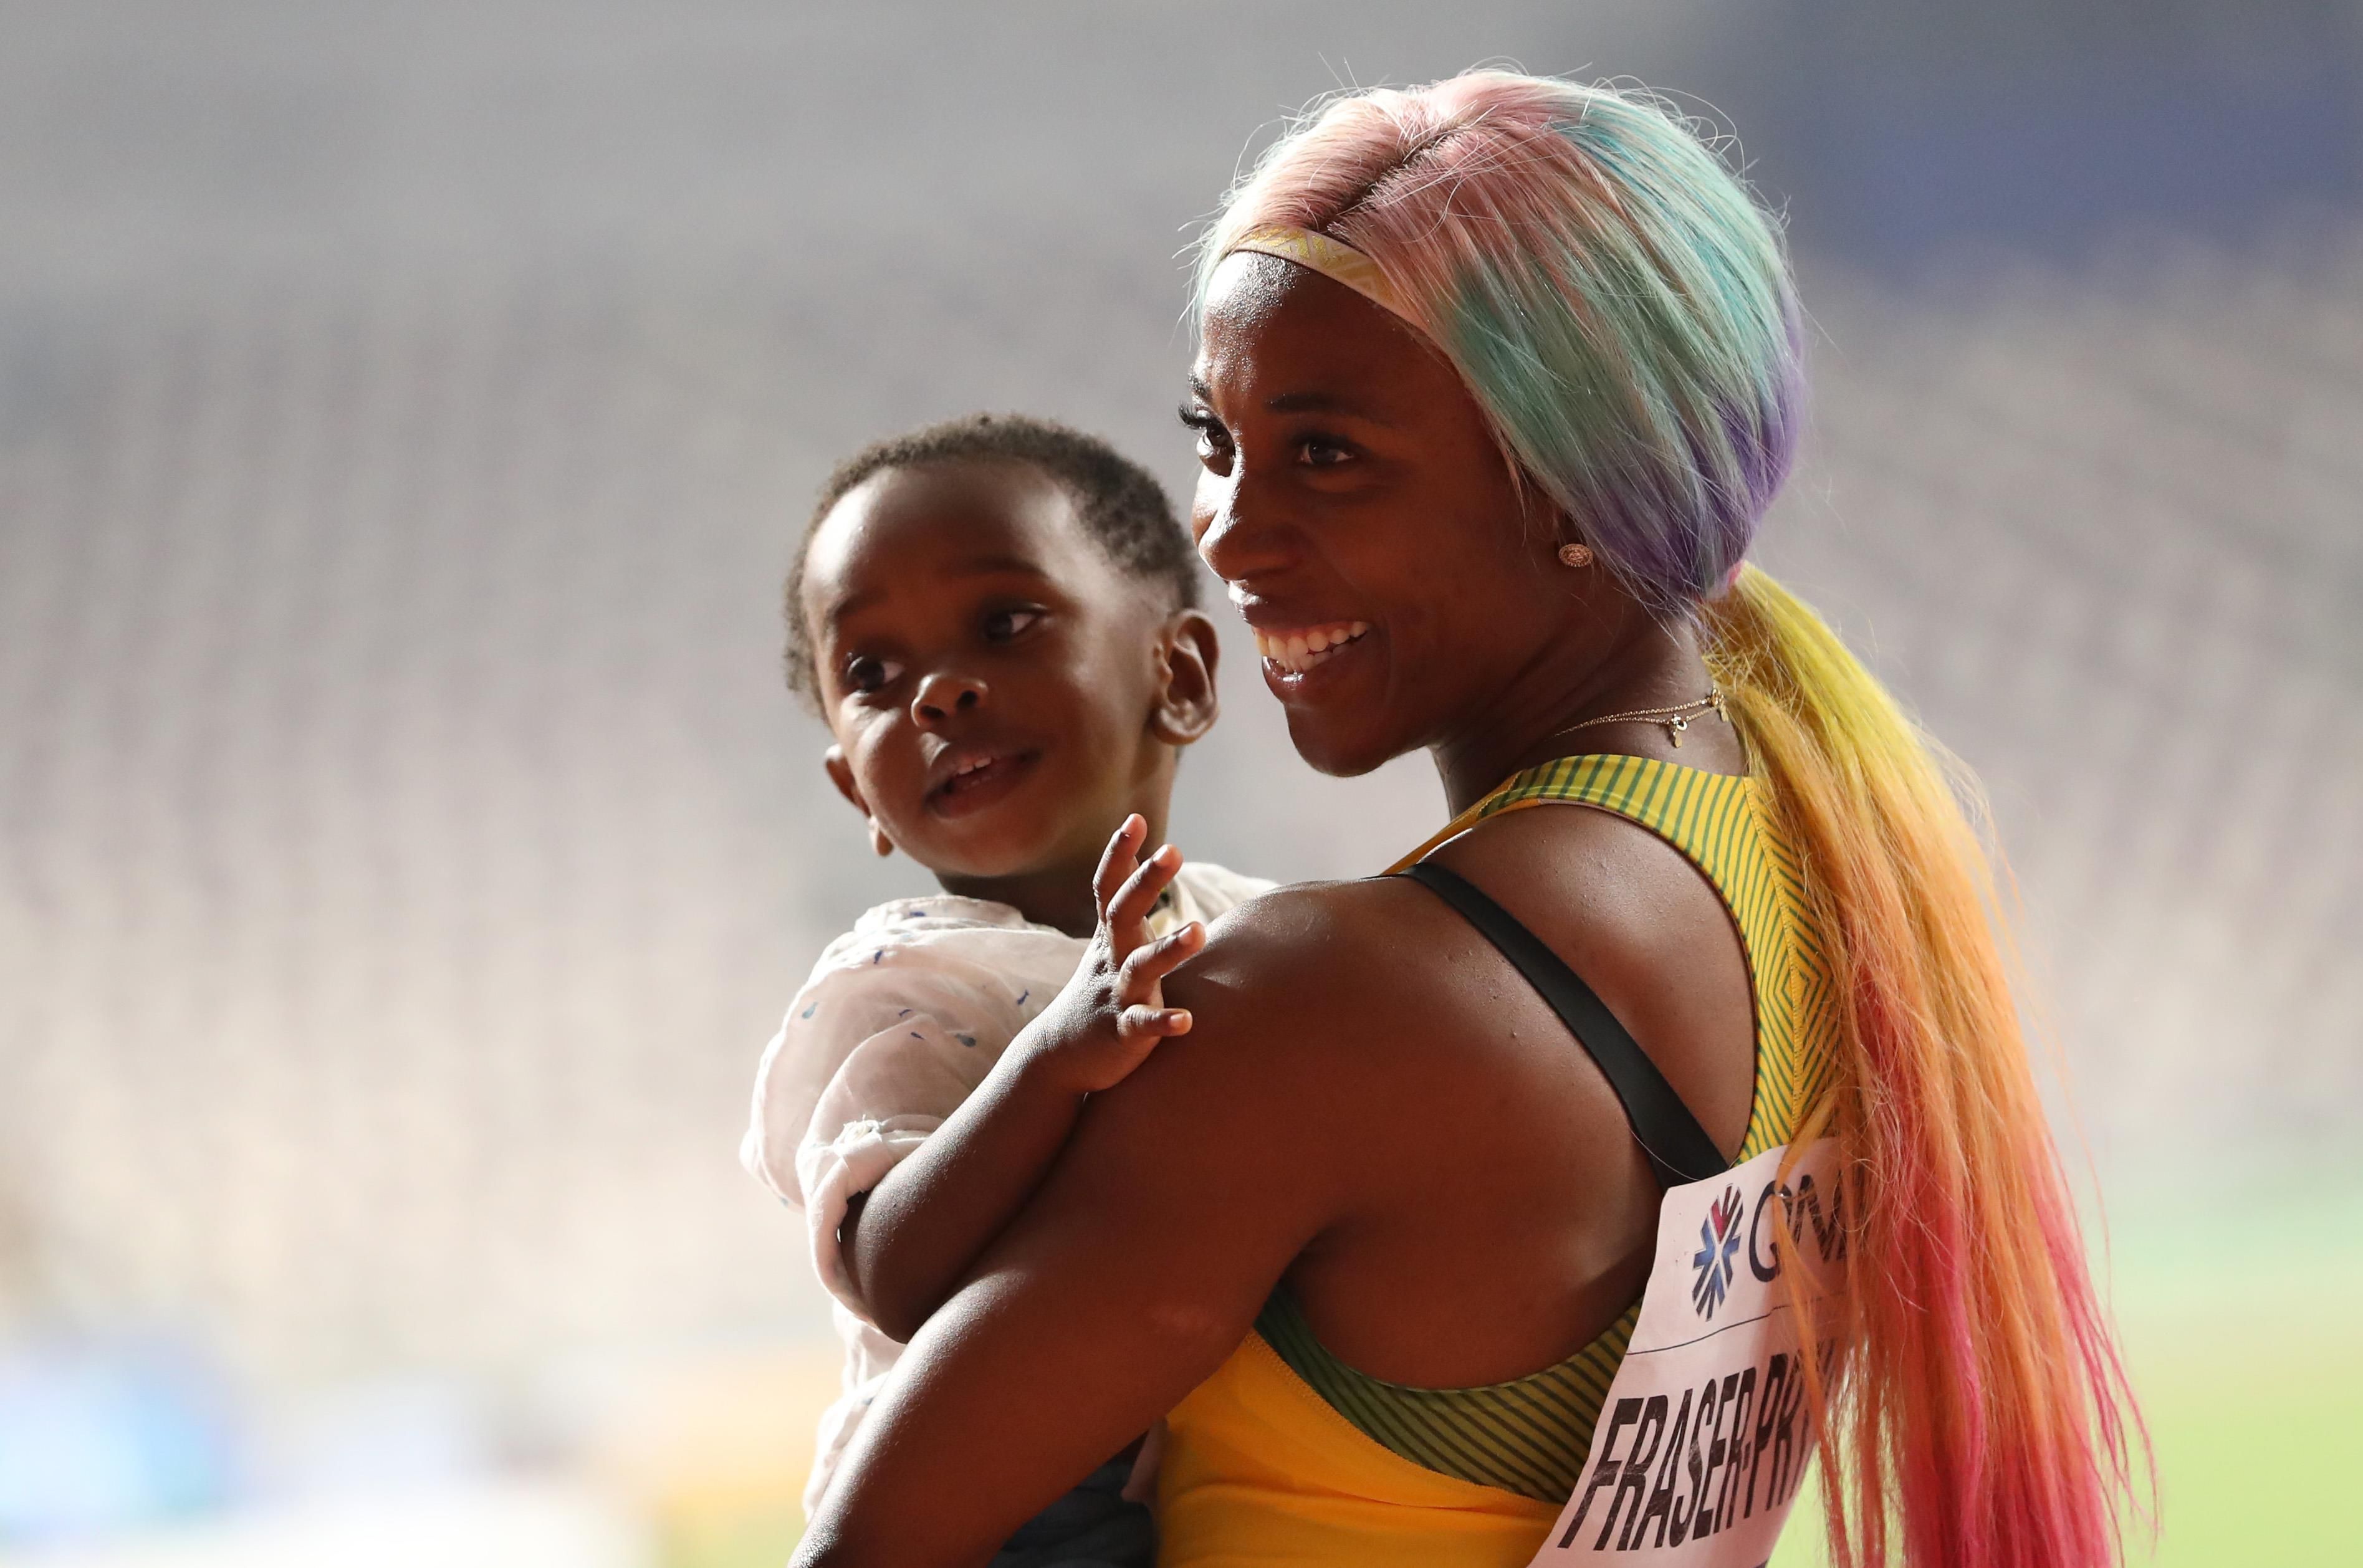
x=1296, y=650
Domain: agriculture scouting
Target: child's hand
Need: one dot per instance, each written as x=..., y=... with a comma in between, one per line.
x=1112, y=1013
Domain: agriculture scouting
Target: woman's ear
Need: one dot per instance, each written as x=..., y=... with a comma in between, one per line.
x=840, y=773
x=1186, y=705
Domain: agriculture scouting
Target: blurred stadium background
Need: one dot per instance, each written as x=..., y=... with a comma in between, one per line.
x=405, y=843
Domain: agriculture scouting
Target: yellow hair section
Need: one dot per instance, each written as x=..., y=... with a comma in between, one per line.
x=1975, y=1404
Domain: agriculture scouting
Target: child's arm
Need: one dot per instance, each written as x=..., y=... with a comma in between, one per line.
x=906, y=1243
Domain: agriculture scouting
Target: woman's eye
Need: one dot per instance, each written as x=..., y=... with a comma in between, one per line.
x=1003, y=624
x=1214, y=441
x=1318, y=452
x=865, y=674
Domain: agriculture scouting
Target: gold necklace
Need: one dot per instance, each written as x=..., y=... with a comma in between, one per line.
x=1676, y=718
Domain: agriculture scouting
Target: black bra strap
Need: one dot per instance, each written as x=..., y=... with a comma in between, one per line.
x=1678, y=1149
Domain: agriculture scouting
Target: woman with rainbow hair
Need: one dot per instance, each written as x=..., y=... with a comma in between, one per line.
x=1496, y=378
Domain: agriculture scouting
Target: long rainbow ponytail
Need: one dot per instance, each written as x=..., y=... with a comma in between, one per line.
x=1982, y=1392
x=1622, y=311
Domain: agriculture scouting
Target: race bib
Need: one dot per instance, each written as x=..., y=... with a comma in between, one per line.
x=1704, y=1438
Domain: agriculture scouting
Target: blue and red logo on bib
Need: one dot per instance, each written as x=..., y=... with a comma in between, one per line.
x=1718, y=1245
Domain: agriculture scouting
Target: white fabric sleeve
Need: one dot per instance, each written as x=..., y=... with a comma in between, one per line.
x=866, y=984
x=900, y=1023
x=1208, y=890
x=895, y=1088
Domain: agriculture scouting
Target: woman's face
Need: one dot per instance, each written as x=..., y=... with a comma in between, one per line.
x=1398, y=582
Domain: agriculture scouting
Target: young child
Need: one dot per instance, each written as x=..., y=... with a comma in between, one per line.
x=998, y=618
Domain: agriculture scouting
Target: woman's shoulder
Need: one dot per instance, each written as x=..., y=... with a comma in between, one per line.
x=1205, y=891
x=1379, y=935
x=1313, y=1018
x=1358, y=1037
x=1378, y=969
x=1315, y=931
x=1308, y=970
x=1587, y=878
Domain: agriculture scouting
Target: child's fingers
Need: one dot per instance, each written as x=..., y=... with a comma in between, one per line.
x=1117, y=860
x=1129, y=912
x=1148, y=964
x=1153, y=1023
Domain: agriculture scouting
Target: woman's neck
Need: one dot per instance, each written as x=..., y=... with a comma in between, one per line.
x=1650, y=666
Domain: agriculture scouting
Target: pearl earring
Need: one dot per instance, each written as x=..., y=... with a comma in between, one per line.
x=1577, y=555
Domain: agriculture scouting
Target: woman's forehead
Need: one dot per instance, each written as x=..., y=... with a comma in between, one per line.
x=1248, y=286
x=1273, y=331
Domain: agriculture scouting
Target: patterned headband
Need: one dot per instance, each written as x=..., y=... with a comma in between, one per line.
x=1332, y=259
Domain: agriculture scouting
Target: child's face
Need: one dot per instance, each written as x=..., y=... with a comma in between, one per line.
x=1002, y=693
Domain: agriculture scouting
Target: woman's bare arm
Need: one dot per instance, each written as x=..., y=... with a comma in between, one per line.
x=1355, y=1043
x=908, y=1241
x=1137, y=1267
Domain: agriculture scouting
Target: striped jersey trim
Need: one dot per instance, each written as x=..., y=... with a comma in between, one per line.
x=1530, y=1435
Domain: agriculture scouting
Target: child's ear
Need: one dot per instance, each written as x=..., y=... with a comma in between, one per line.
x=1186, y=704
x=840, y=773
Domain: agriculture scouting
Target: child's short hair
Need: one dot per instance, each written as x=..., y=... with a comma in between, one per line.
x=1119, y=503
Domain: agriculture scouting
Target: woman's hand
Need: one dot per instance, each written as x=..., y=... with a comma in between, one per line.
x=1111, y=1014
